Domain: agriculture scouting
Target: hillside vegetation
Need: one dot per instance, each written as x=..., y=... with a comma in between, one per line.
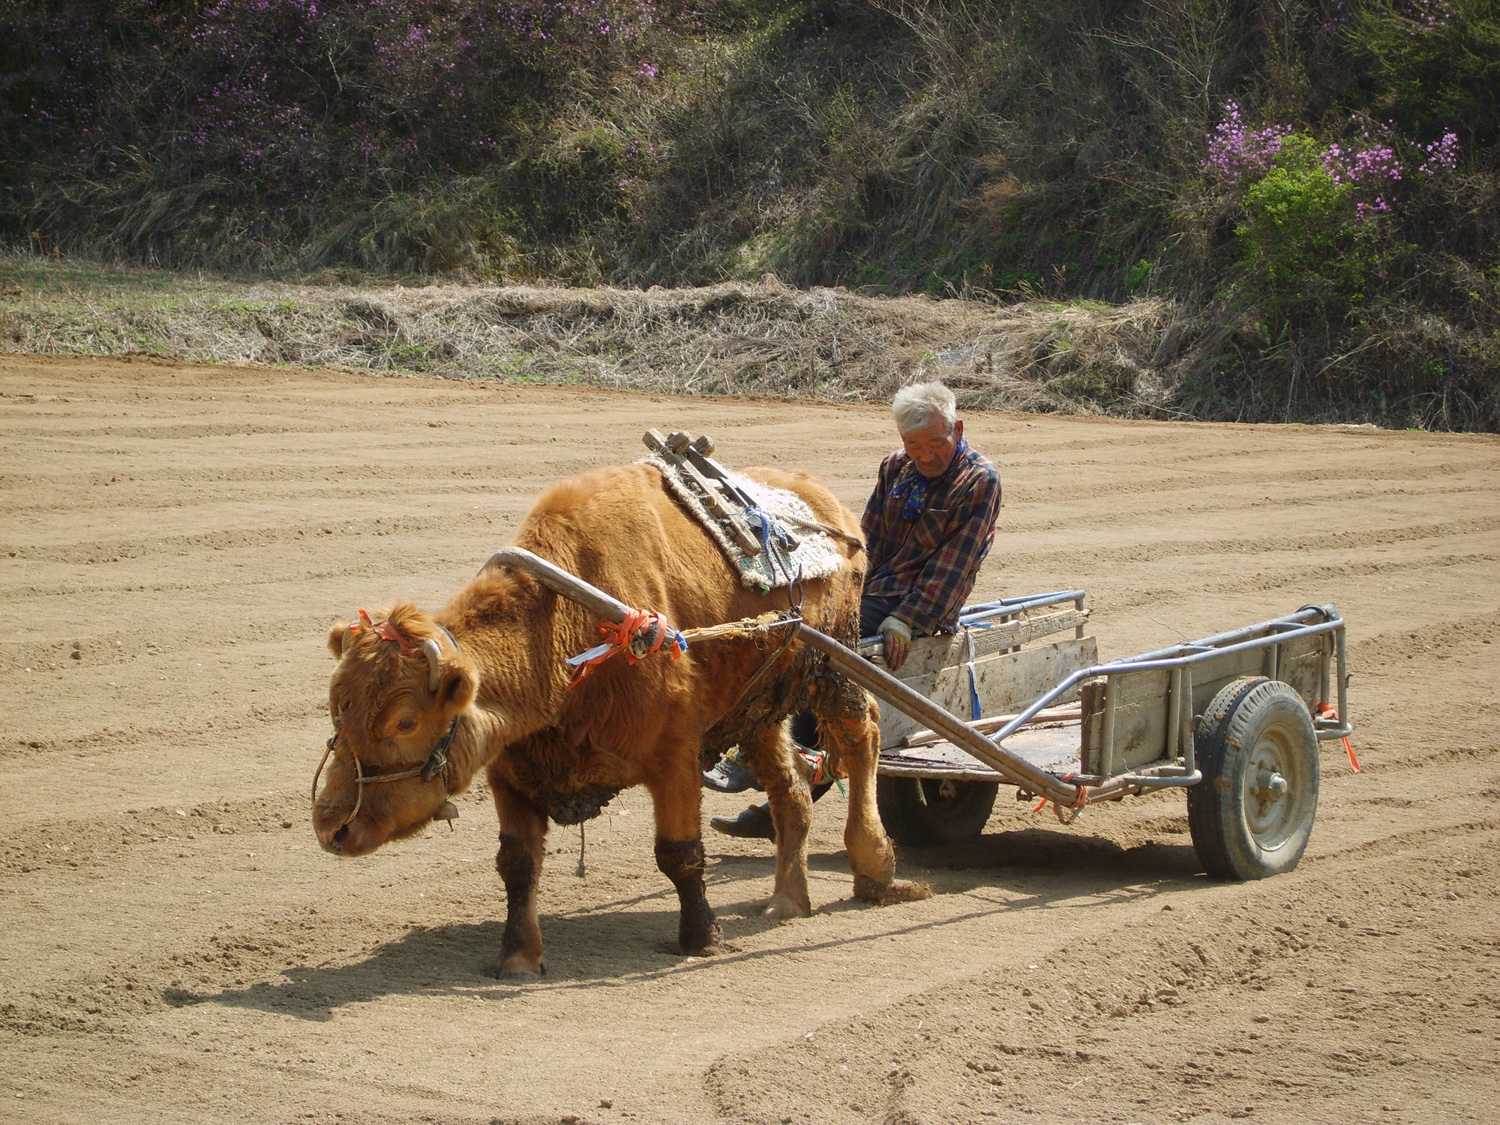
x=1292, y=210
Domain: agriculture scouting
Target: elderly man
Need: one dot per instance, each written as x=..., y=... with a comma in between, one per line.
x=928, y=525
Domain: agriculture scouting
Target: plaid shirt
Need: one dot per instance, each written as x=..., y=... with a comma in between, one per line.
x=932, y=560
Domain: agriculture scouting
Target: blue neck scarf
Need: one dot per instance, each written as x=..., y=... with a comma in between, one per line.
x=912, y=489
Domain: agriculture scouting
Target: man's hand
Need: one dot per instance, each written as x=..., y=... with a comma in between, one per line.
x=897, y=637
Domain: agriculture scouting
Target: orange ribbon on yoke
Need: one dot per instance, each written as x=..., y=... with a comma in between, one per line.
x=641, y=634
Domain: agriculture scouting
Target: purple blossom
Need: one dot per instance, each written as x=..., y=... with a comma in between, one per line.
x=1362, y=167
x=1428, y=15
x=1442, y=156
x=1235, y=151
x=1369, y=167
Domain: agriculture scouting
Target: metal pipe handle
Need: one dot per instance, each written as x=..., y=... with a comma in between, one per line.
x=556, y=578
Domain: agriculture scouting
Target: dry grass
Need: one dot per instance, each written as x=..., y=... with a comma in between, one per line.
x=736, y=338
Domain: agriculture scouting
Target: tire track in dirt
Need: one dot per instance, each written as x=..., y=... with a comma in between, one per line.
x=94, y=552
x=1057, y=516
x=1185, y=1017
x=1168, y=481
x=1389, y=648
x=1301, y=577
x=1335, y=542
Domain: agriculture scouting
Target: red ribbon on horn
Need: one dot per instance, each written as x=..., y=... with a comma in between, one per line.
x=384, y=629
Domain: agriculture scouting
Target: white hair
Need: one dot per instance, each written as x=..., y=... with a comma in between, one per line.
x=920, y=405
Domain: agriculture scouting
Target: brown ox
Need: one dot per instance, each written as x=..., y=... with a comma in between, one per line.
x=493, y=678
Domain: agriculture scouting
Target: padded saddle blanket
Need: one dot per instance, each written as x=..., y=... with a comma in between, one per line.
x=816, y=554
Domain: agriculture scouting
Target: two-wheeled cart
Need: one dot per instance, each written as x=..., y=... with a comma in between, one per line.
x=1235, y=719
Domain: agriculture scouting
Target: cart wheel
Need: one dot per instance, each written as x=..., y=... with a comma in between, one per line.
x=1252, y=813
x=916, y=812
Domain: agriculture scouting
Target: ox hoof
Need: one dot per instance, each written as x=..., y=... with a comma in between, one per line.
x=704, y=945
x=884, y=894
x=780, y=909
x=517, y=973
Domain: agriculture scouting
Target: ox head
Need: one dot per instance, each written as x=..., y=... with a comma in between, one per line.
x=395, y=700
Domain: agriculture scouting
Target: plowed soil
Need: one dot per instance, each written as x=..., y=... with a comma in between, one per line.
x=176, y=540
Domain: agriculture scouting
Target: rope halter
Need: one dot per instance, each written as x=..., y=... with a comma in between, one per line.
x=436, y=764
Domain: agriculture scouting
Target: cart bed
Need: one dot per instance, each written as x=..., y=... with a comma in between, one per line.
x=1050, y=746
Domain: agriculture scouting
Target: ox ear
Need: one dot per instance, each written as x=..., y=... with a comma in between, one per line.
x=457, y=686
x=336, y=637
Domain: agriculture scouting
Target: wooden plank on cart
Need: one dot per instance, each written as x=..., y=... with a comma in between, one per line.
x=1006, y=681
x=1048, y=746
x=928, y=654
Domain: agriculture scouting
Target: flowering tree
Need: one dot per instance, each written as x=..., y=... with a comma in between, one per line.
x=1311, y=214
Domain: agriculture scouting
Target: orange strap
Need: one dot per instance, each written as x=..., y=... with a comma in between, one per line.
x=823, y=771
x=1078, y=802
x=1325, y=711
x=641, y=634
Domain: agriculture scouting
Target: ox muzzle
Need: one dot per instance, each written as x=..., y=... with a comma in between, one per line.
x=434, y=767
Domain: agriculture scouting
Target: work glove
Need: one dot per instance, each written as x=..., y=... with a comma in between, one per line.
x=897, y=637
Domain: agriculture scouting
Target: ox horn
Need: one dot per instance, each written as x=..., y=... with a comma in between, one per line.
x=434, y=663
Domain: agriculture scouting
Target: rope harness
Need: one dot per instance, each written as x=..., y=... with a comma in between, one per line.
x=437, y=763
x=641, y=634
x=644, y=633
x=776, y=550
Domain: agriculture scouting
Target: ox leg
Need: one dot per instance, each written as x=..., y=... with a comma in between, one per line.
x=850, y=729
x=523, y=837
x=677, y=799
x=769, y=751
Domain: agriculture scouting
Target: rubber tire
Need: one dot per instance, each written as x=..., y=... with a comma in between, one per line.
x=917, y=823
x=1252, y=725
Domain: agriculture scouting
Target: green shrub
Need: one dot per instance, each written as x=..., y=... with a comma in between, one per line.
x=1299, y=225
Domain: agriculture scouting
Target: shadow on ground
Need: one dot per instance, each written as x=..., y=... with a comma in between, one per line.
x=627, y=940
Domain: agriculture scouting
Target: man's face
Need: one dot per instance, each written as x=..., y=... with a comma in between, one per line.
x=932, y=447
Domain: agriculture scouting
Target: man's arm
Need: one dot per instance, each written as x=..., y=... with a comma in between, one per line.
x=879, y=543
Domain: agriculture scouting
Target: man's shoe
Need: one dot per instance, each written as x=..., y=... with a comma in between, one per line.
x=752, y=824
x=728, y=776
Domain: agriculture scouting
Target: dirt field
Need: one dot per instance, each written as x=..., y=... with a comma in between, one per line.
x=174, y=947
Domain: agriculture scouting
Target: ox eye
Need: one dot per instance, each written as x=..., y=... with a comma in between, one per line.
x=406, y=725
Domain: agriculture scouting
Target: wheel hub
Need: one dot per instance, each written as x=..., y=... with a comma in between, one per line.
x=1268, y=805
x=1269, y=786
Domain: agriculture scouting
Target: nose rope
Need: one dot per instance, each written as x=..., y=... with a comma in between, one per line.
x=435, y=766
x=359, y=780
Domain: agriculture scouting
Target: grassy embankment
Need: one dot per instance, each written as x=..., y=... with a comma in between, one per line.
x=1167, y=207
x=732, y=338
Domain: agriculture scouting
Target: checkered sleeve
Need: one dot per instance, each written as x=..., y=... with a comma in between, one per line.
x=879, y=520
x=947, y=579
